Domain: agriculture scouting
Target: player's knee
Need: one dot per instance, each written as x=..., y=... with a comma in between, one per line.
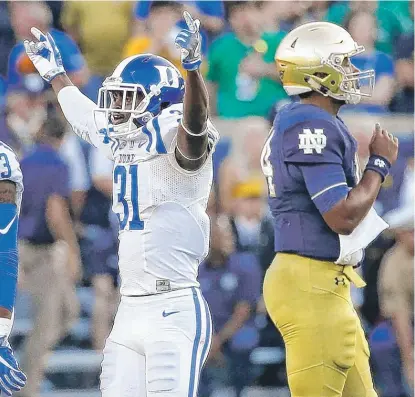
x=163, y=367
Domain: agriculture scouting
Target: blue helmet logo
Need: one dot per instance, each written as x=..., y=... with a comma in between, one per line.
x=140, y=87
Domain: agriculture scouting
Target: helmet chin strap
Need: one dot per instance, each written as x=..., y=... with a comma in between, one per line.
x=349, y=98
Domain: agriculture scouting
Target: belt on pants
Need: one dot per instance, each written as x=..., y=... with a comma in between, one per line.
x=353, y=276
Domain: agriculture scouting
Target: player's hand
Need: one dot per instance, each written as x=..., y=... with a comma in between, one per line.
x=384, y=144
x=190, y=42
x=12, y=379
x=45, y=55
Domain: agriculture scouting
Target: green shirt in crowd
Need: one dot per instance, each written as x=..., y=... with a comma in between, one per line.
x=392, y=18
x=239, y=95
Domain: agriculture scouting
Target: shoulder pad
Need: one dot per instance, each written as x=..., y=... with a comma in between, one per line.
x=164, y=127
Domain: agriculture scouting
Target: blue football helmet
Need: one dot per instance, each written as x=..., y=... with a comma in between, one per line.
x=140, y=87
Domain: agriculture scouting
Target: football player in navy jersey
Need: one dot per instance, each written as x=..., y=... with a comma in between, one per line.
x=322, y=209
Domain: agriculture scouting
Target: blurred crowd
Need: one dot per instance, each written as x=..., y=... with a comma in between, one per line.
x=68, y=233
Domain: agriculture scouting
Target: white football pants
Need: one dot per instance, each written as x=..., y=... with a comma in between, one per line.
x=157, y=346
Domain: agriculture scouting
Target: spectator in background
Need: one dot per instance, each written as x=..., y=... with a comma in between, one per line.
x=56, y=9
x=27, y=107
x=6, y=36
x=3, y=90
x=72, y=153
x=25, y=15
x=160, y=33
x=49, y=253
x=231, y=283
x=242, y=76
x=296, y=13
x=390, y=22
x=396, y=299
x=99, y=247
x=210, y=13
x=26, y=111
x=362, y=27
x=251, y=224
x=404, y=56
x=101, y=28
x=244, y=162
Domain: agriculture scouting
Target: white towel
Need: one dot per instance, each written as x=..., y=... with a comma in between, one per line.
x=353, y=245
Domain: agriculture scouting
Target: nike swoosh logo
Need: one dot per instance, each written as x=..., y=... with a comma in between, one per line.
x=7, y=228
x=165, y=314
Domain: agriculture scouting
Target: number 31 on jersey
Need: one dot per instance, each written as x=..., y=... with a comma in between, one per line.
x=126, y=184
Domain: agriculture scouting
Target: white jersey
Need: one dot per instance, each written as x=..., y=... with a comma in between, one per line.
x=164, y=228
x=10, y=171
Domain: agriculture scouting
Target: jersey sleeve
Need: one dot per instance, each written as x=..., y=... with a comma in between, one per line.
x=100, y=166
x=313, y=142
x=10, y=169
x=79, y=111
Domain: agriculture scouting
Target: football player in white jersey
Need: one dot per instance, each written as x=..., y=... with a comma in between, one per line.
x=11, y=188
x=161, y=141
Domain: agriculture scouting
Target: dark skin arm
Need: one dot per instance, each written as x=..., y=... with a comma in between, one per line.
x=346, y=215
x=191, y=150
x=60, y=82
x=7, y=195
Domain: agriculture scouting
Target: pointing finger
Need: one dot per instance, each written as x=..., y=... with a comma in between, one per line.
x=38, y=34
x=192, y=24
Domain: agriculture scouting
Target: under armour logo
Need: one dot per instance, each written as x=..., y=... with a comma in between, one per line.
x=380, y=163
x=310, y=140
x=339, y=280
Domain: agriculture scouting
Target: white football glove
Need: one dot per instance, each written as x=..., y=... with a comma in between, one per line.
x=45, y=55
x=190, y=42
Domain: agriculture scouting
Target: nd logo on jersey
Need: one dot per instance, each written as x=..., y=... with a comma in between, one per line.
x=310, y=141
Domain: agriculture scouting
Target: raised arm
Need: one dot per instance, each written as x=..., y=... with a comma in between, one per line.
x=192, y=139
x=77, y=108
x=346, y=215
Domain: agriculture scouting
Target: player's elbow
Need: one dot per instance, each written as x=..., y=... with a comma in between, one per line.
x=340, y=223
x=343, y=229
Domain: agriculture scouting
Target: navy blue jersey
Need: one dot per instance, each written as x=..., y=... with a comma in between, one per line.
x=310, y=164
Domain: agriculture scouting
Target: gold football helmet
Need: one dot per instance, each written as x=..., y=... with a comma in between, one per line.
x=316, y=57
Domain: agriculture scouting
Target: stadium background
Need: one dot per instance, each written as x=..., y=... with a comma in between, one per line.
x=240, y=39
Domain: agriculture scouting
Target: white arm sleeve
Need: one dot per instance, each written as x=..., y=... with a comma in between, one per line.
x=100, y=166
x=79, y=111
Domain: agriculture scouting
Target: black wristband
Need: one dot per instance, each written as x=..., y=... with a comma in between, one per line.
x=378, y=164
